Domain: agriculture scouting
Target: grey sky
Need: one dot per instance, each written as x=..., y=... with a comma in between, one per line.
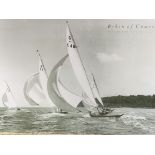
x=122, y=60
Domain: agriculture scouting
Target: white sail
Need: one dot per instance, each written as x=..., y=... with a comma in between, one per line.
x=96, y=91
x=8, y=98
x=43, y=79
x=78, y=67
x=86, y=102
x=69, y=96
x=53, y=89
x=33, y=91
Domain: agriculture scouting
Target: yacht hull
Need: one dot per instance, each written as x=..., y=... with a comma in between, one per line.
x=116, y=116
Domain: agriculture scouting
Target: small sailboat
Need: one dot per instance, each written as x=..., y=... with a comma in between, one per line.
x=91, y=98
x=8, y=99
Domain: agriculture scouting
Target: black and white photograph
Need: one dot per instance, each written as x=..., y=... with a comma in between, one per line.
x=77, y=76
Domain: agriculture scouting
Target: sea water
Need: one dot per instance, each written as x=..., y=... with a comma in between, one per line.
x=43, y=121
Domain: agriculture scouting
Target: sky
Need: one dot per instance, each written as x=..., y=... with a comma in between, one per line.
x=120, y=53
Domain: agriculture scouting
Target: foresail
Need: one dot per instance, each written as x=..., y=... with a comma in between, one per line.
x=69, y=96
x=33, y=95
x=96, y=92
x=78, y=67
x=86, y=102
x=8, y=99
x=53, y=90
x=4, y=99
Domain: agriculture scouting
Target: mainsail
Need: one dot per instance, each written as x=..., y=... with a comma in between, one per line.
x=53, y=89
x=8, y=98
x=78, y=68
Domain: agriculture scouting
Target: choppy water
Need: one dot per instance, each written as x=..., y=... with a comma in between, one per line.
x=42, y=121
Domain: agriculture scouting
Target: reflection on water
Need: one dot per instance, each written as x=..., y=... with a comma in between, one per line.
x=43, y=121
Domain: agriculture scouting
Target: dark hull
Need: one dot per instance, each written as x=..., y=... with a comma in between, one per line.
x=116, y=116
x=63, y=112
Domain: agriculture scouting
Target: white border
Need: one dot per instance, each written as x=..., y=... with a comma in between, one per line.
x=76, y=145
x=83, y=9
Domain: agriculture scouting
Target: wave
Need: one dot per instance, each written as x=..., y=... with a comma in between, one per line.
x=135, y=121
x=86, y=116
x=45, y=116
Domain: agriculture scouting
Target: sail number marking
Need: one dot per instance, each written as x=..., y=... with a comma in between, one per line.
x=41, y=68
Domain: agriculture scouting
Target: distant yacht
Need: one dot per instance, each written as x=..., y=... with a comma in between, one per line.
x=35, y=88
x=8, y=99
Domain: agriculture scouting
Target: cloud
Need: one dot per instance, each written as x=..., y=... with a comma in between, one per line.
x=107, y=58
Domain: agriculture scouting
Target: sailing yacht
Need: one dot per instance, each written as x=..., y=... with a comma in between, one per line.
x=8, y=99
x=35, y=88
x=91, y=98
